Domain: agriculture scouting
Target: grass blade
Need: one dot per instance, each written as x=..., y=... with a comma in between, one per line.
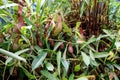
x=27, y=73
x=12, y=55
x=17, y=53
x=48, y=75
x=8, y=5
x=58, y=61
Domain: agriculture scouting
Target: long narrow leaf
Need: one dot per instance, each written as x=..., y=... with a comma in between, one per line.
x=27, y=73
x=82, y=78
x=57, y=46
x=8, y=5
x=38, y=59
x=17, y=53
x=49, y=66
x=48, y=75
x=65, y=64
x=58, y=61
x=67, y=29
x=92, y=39
x=12, y=55
x=101, y=54
x=71, y=77
x=86, y=58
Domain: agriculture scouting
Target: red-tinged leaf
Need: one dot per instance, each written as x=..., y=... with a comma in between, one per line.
x=20, y=10
x=39, y=42
x=58, y=27
x=20, y=18
x=81, y=32
x=1, y=38
x=51, y=41
x=47, y=26
x=20, y=21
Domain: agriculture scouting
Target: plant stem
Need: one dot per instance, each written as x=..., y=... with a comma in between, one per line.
x=4, y=72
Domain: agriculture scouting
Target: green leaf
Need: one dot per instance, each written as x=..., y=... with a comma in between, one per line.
x=82, y=78
x=10, y=54
x=117, y=66
x=64, y=78
x=58, y=61
x=71, y=77
x=116, y=77
x=23, y=30
x=42, y=3
x=29, y=22
x=38, y=60
x=91, y=55
x=17, y=53
x=82, y=9
x=92, y=39
x=93, y=62
x=101, y=36
x=112, y=46
x=4, y=1
x=57, y=46
x=37, y=48
x=48, y=75
x=87, y=2
x=101, y=54
x=117, y=44
x=67, y=29
x=108, y=32
x=29, y=5
x=8, y=5
x=77, y=25
x=29, y=75
x=86, y=58
x=49, y=66
x=38, y=6
x=77, y=68
x=25, y=39
x=65, y=64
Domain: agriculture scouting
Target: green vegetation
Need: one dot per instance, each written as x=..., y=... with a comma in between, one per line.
x=59, y=40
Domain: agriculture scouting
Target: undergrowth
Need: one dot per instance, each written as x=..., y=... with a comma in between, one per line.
x=59, y=40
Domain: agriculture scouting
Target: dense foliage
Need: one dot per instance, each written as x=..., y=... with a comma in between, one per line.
x=59, y=40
